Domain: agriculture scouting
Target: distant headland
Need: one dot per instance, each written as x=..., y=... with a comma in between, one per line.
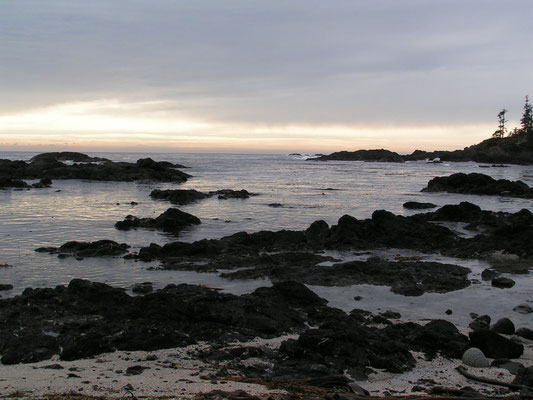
x=515, y=148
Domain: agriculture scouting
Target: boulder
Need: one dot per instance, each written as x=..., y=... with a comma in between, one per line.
x=525, y=333
x=502, y=282
x=493, y=345
x=503, y=325
x=473, y=357
x=480, y=323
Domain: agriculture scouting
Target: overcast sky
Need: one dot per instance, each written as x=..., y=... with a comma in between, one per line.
x=253, y=75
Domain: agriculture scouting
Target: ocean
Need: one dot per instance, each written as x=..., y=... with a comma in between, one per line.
x=303, y=190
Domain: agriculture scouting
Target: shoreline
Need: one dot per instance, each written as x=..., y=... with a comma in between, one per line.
x=179, y=373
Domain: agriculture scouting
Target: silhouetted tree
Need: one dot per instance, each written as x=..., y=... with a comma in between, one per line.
x=500, y=132
x=527, y=118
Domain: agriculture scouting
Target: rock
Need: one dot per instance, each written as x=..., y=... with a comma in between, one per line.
x=6, y=182
x=480, y=323
x=414, y=205
x=66, y=156
x=525, y=333
x=178, y=196
x=475, y=183
x=136, y=370
x=43, y=183
x=523, y=308
x=524, y=377
x=142, y=288
x=100, y=248
x=225, y=194
x=449, y=312
x=502, y=282
x=494, y=345
x=172, y=220
x=50, y=166
x=504, y=325
x=489, y=274
x=474, y=357
x=5, y=286
x=363, y=155
x=511, y=366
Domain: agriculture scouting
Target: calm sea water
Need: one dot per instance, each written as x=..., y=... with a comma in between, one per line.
x=307, y=190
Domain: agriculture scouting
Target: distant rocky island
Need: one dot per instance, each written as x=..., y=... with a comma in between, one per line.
x=514, y=149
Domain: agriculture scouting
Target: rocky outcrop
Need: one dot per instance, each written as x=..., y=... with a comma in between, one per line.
x=380, y=155
x=187, y=196
x=100, y=248
x=49, y=165
x=66, y=156
x=172, y=220
x=405, y=278
x=85, y=319
x=480, y=184
x=178, y=196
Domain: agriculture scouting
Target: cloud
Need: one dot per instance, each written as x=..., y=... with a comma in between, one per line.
x=392, y=63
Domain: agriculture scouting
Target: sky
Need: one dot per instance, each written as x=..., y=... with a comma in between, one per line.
x=256, y=76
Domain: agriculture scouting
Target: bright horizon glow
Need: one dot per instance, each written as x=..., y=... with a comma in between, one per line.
x=112, y=125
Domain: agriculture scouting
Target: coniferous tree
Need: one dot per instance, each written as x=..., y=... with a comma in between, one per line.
x=500, y=132
x=527, y=118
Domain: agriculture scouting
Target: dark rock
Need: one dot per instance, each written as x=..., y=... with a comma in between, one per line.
x=225, y=194
x=172, y=220
x=136, y=370
x=275, y=205
x=100, y=248
x=66, y=156
x=480, y=323
x=449, y=312
x=49, y=166
x=414, y=205
x=43, y=183
x=178, y=196
x=53, y=366
x=489, y=274
x=363, y=155
x=523, y=308
x=5, y=286
x=525, y=333
x=512, y=366
x=475, y=183
x=406, y=278
x=494, y=345
x=6, y=182
x=502, y=282
x=503, y=325
x=524, y=377
x=142, y=288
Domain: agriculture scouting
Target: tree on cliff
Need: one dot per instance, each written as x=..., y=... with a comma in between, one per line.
x=500, y=132
x=527, y=118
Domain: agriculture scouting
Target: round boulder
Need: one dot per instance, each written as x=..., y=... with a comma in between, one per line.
x=474, y=357
x=504, y=325
x=502, y=283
